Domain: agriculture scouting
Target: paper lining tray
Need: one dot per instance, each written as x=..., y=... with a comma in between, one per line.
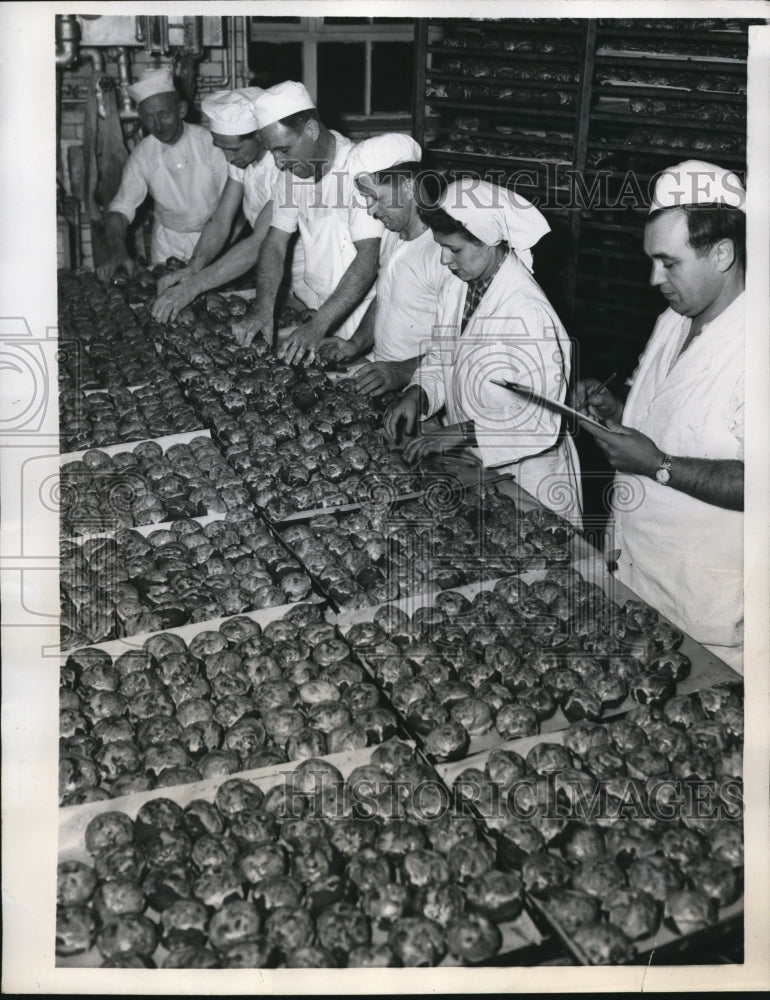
x=520, y=937
x=653, y=950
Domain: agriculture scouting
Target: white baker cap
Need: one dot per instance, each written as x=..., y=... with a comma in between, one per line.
x=382, y=152
x=696, y=182
x=152, y=82
x=280, y=101
x=231, y=112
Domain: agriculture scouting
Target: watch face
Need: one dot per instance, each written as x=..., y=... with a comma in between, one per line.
x=662, y=476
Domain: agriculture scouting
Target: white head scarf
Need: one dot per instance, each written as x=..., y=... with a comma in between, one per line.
x=695, y=182
x=382, y=152
x=231, y=112
x=280, y=101
x=493, y=214
x=152, y=82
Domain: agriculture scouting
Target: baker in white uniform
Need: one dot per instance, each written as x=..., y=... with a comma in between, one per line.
x=252, y=175
x=316, y=195
x=494, y=323
x=398, y=324
x=177, y=164
x=677, y=444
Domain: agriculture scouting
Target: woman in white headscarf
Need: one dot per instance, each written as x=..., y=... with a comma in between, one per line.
x=495, y=322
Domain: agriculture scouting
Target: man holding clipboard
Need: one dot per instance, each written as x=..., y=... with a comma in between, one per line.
x=677, y=444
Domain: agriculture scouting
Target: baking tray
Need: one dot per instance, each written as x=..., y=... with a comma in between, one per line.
x=146, y=529
x=707, y=669
x=263, y=616
x=520, y=937
x=656, y=949
x=165, y=443
x=478, y=744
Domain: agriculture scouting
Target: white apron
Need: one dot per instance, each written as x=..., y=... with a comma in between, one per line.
x=683, y=556
x=185, y=185
x=516, y=335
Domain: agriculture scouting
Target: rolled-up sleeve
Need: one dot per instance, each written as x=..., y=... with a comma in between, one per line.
x=133, y=187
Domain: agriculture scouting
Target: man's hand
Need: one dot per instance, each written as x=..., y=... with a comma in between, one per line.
x=379, y=377
x=172, y=301
x=435, y=442
x=252, y=323
x=602, y=406
x=403, y=414
x=302, y=344
x=171, y=279
x=107, y=270
x=337, y=351
x=628, y=450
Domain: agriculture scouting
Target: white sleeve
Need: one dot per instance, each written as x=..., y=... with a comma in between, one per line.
x=736, y=414
x=133, y=187
x=285, y=207
x=429, y=376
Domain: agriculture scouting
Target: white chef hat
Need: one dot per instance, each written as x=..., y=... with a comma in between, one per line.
x=382, y=152
x=231, y=112
x=695, y=182
x=152, y=82
x=493, y=214
x=280, y=101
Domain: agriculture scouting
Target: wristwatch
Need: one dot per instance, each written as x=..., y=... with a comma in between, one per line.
x=663, y=471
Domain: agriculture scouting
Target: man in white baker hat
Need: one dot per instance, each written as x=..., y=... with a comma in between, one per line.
x=177, y=164
x=677, y=444
x=316, y=195
x=399, y=322
x=252, y=175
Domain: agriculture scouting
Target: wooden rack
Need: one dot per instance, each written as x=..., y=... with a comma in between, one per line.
x=614, y=102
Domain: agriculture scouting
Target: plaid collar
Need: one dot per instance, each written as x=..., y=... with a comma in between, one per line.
x=475, y=293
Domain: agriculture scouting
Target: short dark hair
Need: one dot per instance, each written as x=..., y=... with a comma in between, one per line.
x=299, y=119
x=710, y=223
x=441, y=222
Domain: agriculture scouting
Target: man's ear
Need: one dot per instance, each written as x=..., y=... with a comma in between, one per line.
x=183, y=109
x=313, y=129
x=724, y=254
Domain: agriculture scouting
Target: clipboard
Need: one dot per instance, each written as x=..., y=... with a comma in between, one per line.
x=549, y=404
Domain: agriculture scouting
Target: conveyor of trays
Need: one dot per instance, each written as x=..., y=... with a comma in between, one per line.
x=319, y=708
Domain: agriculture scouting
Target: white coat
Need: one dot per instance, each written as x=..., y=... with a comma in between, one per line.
x=514, y=334
x=185, y=180
x=681, y=555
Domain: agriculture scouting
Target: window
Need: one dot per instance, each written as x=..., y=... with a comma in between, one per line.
x=358, y=69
